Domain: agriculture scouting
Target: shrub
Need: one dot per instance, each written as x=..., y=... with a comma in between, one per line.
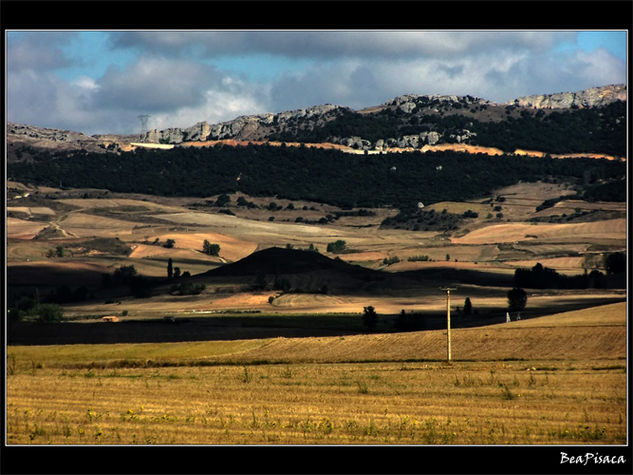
x=222, y=200
x=124, y=274
x=468, y=306
x=517, y=299
x=50, y=312
x=390, y=260
x=336, y=246
x=211, y=249
x=418, y=258
x=615, y=263
x=370, y=317
x=189, y=288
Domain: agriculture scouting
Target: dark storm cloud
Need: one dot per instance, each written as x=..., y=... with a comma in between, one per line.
x=37, y=51
x=335, y=43
x=155, y=84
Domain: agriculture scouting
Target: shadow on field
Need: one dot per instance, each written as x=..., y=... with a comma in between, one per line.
x=256, y=327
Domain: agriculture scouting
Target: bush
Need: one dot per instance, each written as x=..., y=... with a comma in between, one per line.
x=124, y=274
x=189, y=288
x=211, y=249
x=517, y=299
x=423, y=258
x=222, y=200
x=615, y=263
x=468, y=306
x=390, y=260
x=370, y=317
x=336, y=246
x=50, y=312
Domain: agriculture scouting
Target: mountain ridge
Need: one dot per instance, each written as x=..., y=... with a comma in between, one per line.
x=407, y=121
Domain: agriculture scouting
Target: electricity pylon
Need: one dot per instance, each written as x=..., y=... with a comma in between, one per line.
x=144, y=119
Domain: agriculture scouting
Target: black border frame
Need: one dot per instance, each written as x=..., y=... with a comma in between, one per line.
x=449, y=14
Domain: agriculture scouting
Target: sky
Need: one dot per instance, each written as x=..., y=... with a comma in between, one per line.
x=100, y=82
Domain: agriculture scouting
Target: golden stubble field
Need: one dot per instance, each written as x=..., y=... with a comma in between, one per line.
x=559, y=379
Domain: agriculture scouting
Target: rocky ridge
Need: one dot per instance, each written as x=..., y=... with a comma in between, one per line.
x=593, y=97
x=262, y=127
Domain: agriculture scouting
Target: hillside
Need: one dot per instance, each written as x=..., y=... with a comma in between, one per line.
x=325, y=176
x=583, y=122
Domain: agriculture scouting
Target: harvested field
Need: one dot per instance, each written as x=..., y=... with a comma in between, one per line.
x=85, y=225
x=516, y=383
x=574, y=232
x=23, y=229
x=30, y=211
x=87, y=203
x=143, y=251
x=231, y=248
x=563, y=265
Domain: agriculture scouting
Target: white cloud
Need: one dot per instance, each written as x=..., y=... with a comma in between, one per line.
x=171, y=82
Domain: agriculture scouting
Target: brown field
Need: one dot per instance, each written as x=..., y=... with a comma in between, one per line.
x=572, y=232
x=553, y=380
x=270, y=379
x=22, y=229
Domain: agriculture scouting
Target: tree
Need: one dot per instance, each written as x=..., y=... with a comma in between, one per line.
x=169, y=243
x=517, y=299
x=468, y=306
x=50, y=312
x=170, y=269
x=370, y=317
x=211, y=249
x=615, y=263
x=124, y=274
x=222, y=200
x=336, y=246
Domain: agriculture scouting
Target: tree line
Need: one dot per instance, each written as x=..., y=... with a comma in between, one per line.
x=326, y=176
x=595, y=129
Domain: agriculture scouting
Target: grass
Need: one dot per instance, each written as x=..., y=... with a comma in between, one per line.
x=343, y=403
x=569, y=388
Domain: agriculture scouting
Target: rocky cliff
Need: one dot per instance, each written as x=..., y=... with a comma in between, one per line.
x=594, y=97
x=404, y=122
x=250, y=127
x=299, y=122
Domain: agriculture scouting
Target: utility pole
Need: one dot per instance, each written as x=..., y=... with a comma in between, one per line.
x=448, y=321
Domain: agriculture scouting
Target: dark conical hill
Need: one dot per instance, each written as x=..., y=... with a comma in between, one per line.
x=278, y=261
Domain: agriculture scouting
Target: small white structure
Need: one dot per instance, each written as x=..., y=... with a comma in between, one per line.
x=508, y=317
x=420, y=205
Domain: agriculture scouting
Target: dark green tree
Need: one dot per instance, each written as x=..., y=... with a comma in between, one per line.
x=517, y=299
x=336, y=246
x=370, y=317
x=222, y=200
x=211, y=249
x=468, y=306
x=615, y=263
x=170, y=269
x=50, y=312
